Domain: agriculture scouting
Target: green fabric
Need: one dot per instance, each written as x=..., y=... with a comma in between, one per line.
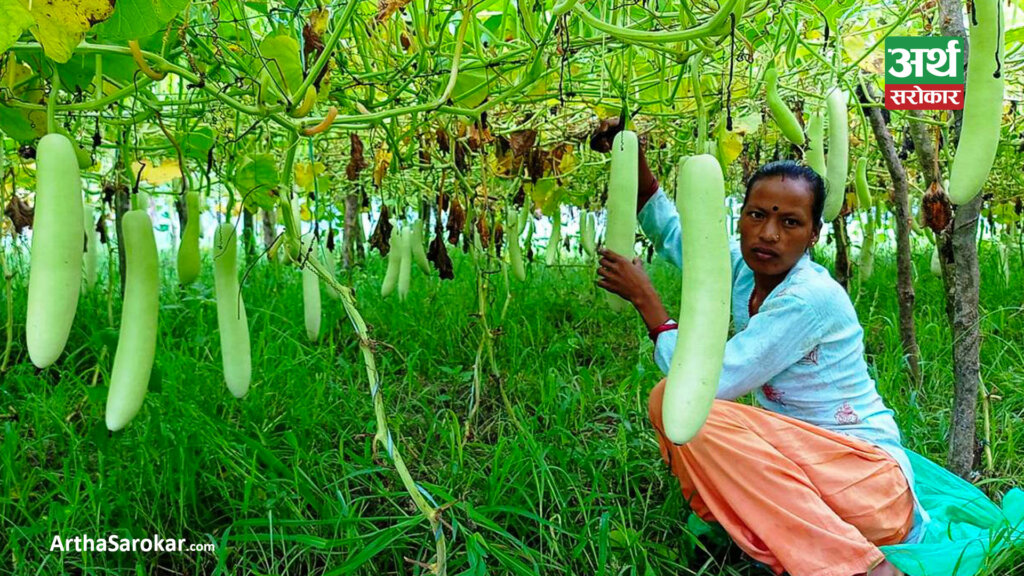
x=966, y=530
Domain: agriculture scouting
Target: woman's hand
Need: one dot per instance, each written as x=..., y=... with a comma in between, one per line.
x=601, y=141
x=629, y=281
x=622, y=277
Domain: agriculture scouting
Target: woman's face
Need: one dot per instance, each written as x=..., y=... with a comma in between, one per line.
x=776, y=226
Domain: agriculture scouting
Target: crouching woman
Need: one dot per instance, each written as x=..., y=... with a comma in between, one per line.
x=814, y=480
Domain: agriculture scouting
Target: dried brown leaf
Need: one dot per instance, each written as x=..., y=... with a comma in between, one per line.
x=20, y=213
x=443, y=143
x=385, y=8
x=356, y=162
x=483, y=231
x=381, y=237
x=938, y=212
x=456, y=220
x=522, y=141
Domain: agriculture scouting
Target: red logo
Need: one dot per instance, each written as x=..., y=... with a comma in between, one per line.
x=924, y=96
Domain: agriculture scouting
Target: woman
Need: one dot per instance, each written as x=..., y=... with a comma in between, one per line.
x=815, y=480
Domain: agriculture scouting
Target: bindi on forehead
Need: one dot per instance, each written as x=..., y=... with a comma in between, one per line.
x=775, y=208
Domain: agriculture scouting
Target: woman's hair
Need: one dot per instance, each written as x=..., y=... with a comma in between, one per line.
x=790, y=169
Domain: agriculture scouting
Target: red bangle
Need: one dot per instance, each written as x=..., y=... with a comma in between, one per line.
x=668, y=325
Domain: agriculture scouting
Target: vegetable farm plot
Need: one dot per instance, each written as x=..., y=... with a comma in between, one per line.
x=508, y=287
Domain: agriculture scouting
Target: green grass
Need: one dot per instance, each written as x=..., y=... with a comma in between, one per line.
x=564, y=479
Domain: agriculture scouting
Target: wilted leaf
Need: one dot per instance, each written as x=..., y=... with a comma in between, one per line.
x=304, y=173
x=15, y=71
x=747, y=123
x=443, y=143
x=567, y=159
x=61, y=24
x=536, y=164
x=386, y=8
x=356, y=162
x=460, y=156
x=501, y=164
x=167, y=171
x=313, y=31
x=938, y=212
x=483, y=231
x=381, y=236
x=456, y=221
x=381, y=161
x=856, y=45
x=477, y=135
x=20, y=213
x=522, y=141
x=730, y=144
x=437, y=253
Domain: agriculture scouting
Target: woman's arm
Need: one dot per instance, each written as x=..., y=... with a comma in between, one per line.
x=629, y=281
x=785, y=329
x=660, y=222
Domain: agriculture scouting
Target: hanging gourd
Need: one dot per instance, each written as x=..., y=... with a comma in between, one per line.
x=983, y=103
x=704, y=304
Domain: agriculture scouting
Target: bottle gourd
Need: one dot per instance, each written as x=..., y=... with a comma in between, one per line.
x=55, y=271
x=704, y=303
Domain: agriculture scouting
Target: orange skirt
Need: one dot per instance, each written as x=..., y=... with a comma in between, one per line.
x=796, y=497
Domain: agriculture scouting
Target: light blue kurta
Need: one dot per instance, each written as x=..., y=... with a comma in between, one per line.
x=802, y=353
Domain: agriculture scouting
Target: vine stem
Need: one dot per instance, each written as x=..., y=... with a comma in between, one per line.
x=8, y=275
x=383, y=436
x=911, y=8
x=485, y=336
x=328, y=50
x=292, y=228
x=51, y=102
x=163, y=65
x=632, y=36
x=9, y=294
x=986, y=410
x=438, y=103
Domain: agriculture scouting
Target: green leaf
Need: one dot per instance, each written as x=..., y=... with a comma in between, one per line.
x=80, y=70
x=259, y=7
x=470, y=88
x=16, y=20
x=61, y=24
x=135, y=19
x=197, y=143
x=22, y=125
x=281, y=58
x=1014, y=35
x=255, y=178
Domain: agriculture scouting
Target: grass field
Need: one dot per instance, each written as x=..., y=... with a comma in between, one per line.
x=561, y=474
